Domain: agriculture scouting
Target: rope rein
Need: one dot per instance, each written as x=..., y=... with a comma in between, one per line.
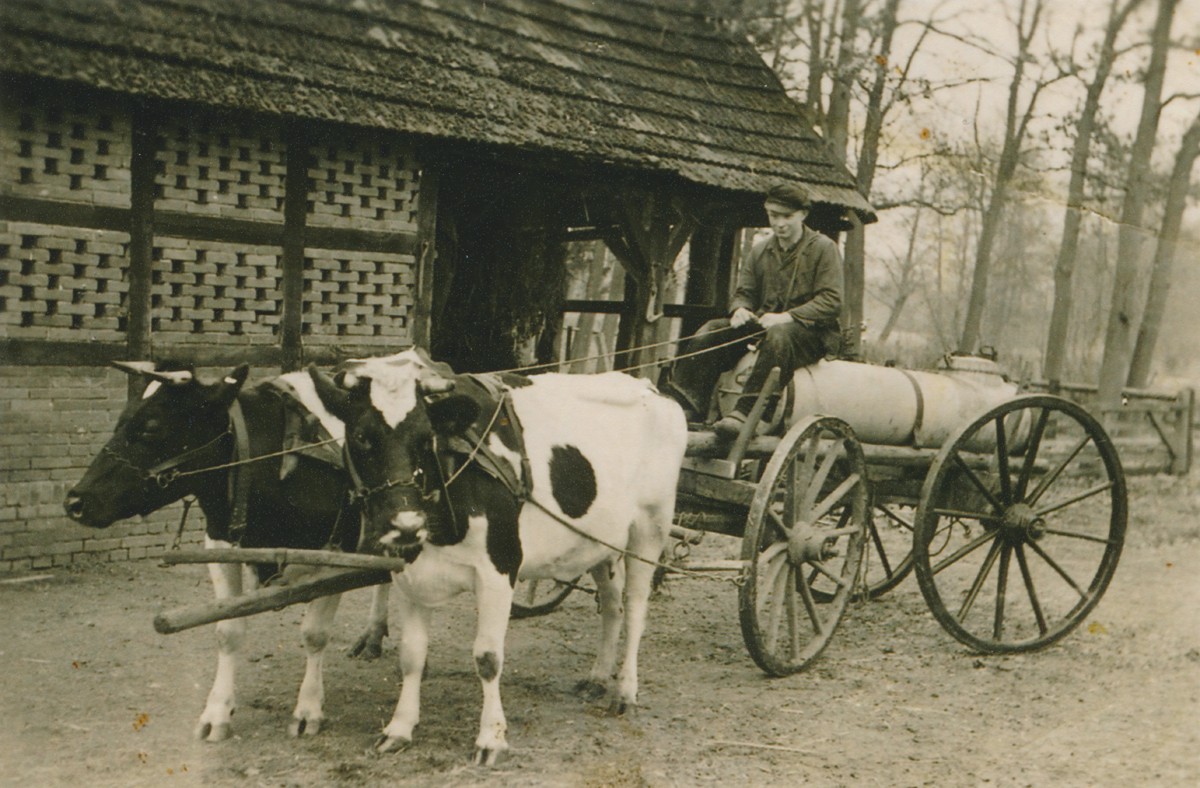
x=527, y=497
x=478, y=445
x=169, y=476
x=638, y=348
x=737, y=581
x=249, y=460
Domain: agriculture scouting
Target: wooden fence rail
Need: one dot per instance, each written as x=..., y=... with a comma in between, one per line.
x=1170, y=416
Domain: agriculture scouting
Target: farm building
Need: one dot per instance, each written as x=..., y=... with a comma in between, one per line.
x=293, y=181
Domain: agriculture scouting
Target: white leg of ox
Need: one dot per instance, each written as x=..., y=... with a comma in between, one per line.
x=646, y=543
x=608, y=578
x=370, y=643
x=214, y=720
x=414, y=645
x=309, y=713
x=493, y=604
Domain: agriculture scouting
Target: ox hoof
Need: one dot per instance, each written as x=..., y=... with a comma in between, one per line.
x=486, y=756
x=385, y=744
x=590, y=689
x=620, y=707
x=367, y=647
x=206, y=731
x=304, y=727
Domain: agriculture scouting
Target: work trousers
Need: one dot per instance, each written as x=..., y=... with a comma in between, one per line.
x=786, y=346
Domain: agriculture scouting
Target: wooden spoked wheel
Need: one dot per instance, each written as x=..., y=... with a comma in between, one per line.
x=539, y=597
x=803, y=544
x=889, y=548
x=887, y=559
x=1020, y=525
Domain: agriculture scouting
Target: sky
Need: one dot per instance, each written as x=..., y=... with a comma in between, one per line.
x=949, y=116
x=951, y=113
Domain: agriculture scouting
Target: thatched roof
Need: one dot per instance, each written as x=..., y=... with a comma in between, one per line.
x=649, y=85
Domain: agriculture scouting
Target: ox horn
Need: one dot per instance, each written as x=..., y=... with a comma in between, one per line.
x=147, y=368
x=433, y=383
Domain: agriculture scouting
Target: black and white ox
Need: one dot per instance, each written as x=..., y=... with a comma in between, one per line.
x=179, y=440
x=596, y=459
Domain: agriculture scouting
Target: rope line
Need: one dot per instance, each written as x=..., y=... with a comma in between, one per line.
x=475, y=449
x=738, y=581
x=638, y=348
x=692, y=353
x=249, y=460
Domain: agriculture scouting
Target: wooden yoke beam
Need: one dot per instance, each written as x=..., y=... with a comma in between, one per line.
x=327, y=582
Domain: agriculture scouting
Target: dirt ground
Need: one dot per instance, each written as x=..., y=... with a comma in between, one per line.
x=93, y=696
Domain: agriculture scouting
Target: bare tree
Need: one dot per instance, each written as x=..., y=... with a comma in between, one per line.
x=902, y=278
x=1085, y=124
x=1164, y=256
x=844, y=76
x=1016, y=127
x=1123, y=313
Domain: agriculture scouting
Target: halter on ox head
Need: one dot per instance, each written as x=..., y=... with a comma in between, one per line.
x=179, y=425
x=395, y=411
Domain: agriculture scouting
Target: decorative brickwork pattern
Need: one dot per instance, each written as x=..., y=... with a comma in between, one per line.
x=63, y=147
x=62, y=283
x=65, y=284
x=363, y=183
x=357, y=298
x=217, y=167
x=203, y=291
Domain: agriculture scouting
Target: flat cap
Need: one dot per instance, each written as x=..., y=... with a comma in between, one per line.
x=788, y=195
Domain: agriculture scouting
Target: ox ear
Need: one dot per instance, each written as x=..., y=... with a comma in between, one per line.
x=223, y=392
x=452, y=415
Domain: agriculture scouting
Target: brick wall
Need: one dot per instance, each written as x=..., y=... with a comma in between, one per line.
x=55, y=420
x=63, y=284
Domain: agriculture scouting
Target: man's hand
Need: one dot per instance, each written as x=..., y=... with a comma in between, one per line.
x=741, y=316
x=771, y=319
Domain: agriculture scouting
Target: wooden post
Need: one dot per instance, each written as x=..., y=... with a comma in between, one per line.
x=295, y=218
x=1181, y=462
x=651, y=231
x=138, y=338
x=853, y=288
x=422, y=318
x=624, y=357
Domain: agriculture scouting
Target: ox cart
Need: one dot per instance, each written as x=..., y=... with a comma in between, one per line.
x=1010, y=508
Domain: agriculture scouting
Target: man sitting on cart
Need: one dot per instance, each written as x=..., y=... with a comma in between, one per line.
x=790, y=287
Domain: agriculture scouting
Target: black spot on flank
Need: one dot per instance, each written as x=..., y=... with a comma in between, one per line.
x=572, y=481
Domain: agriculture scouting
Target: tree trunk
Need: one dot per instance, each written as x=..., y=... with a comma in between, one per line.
x=855, y=252
x=904, y=285
x=853, y=287
x=1064, y=265
x=1014, y=137
x=1164, y=257
x=837, y=122
x=972, y=323
x=1123, y=316
x=813, y=97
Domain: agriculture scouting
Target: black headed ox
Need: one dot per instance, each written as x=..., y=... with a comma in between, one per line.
x=181, y=438
x=480, y=480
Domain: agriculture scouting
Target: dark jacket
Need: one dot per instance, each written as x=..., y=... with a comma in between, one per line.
x=805, y=281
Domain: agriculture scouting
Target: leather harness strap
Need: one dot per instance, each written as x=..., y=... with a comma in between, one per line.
x=473, y=440
x=239, y=475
